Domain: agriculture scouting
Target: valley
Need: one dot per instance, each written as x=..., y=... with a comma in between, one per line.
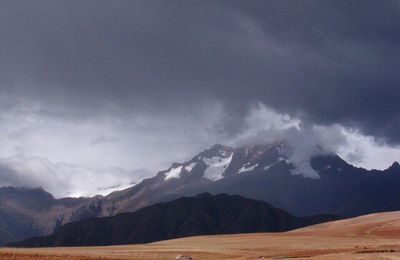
x=374, y=236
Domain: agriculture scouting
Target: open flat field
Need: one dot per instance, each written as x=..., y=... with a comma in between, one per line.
x=375, y=236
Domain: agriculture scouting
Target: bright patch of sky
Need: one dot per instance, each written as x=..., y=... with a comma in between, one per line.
x=63, y=156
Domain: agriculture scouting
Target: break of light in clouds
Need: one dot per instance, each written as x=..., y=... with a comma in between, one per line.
x=121, y=88
x=138, y=140
x=117, y=164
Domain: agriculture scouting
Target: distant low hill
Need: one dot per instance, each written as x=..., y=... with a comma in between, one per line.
x=204, y=214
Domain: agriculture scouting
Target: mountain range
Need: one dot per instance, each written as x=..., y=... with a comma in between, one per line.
x=204, y=214
x=322, y=184
x=266, y=172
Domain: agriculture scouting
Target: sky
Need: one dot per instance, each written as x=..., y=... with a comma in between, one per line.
x=97, y=95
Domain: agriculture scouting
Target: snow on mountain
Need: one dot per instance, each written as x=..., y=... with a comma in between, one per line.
x=276, y=172
x=173, y=173
x=221, y=161
x=190, y=167
x=247, y=168
x=216, y=166
x=280, y=159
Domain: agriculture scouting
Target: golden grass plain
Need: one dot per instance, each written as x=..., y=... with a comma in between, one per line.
x=374, y=236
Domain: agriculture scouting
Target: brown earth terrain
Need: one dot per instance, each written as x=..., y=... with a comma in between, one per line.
x=374, y=236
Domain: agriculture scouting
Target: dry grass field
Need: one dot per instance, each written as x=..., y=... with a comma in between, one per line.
x=375, y=236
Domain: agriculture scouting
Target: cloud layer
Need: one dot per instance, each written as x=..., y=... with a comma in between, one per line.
x=137, y=84
x=265, y=125
x=65, y=180
x=154, y=151
x=331, y=61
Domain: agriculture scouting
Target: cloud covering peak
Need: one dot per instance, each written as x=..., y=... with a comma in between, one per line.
x=137, y=84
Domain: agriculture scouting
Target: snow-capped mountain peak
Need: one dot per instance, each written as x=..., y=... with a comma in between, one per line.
x=219, y=162
x=217, y=150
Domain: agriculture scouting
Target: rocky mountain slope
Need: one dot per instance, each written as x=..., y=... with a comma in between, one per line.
x=31, y=212
x=187, y=216
x=323, y=184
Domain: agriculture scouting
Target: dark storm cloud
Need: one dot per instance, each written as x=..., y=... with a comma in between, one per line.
x=327, y=61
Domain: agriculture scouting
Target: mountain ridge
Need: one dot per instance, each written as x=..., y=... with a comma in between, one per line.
x=204, y=214
x=262, y=172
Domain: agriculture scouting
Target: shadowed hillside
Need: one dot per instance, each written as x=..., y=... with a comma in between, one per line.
x=201, y=215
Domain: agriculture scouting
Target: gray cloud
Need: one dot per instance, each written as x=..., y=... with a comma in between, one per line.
x=331, y=61
x=142, y=79
x=62, y=179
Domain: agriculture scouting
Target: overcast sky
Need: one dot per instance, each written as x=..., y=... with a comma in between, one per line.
x=119, y=89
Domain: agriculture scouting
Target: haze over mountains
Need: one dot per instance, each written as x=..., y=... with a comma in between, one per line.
x=324, y=184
